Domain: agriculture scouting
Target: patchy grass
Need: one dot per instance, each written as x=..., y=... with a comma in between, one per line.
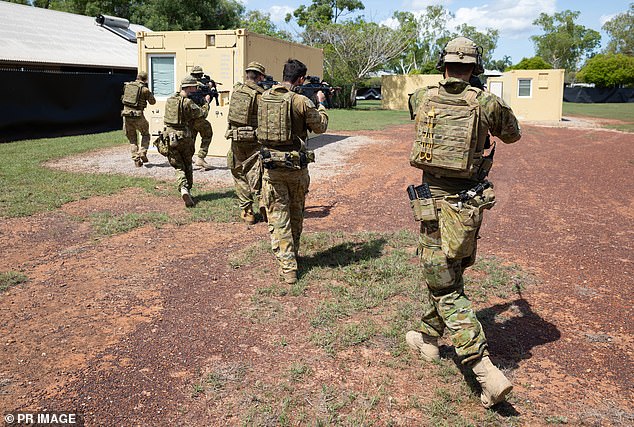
x=368, y=115
x=11, y=278
x=621, y=111
x=107, y=223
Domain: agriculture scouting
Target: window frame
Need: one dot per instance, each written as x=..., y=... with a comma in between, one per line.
x=150, y=73
x=519, y=87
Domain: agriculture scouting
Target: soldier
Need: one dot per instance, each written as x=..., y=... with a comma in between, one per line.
x=136, y=96
x=452, y=121
x=206, y=132
x=243, y=161
x=182, y=118
x=285, y=160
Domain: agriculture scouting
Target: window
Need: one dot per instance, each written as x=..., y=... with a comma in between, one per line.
x=162, y=75
x=524, y=88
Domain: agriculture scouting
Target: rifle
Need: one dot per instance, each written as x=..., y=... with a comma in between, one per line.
x=314, y=85
x=208, y=88
x=268, y=83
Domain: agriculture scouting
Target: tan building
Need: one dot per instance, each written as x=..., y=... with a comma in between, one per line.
x=169, y=56
x=534, y=95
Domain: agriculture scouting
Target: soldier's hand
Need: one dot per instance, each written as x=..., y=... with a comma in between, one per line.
x=207, y=99
x=321, y=97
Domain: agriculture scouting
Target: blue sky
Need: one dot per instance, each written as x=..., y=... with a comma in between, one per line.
x=513, y=18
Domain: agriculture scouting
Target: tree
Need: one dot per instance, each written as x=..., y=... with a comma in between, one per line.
x=534, y=63
x=621, y=32
x=500, y=64
x=564, y=43
x=354, y=49
x=488, y=40
x=167, y=15
x=324, y=11
x=259, y=22
x=608, y=70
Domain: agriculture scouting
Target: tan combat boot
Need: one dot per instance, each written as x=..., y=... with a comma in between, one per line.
x=138, y=162
x=263, y=213
x=495, y=386
x=248, y=217
x=289, y=277
x=426, y=345
x=187, y=197
x=144, y=158
x=202, y=163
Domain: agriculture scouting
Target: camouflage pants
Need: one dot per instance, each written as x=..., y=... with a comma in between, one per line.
x=206, y=133
x=284, y=195
x=130, y=126
x=448, y=306
x=181, y=159
x=247, y=177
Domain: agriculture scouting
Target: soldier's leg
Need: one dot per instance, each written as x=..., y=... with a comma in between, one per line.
x=144, y=130
x=275, y=196
x=206, y=134
x=243, y=189
x=299, y=189
x=130, y=128
x=187, y=150
x=448, y=305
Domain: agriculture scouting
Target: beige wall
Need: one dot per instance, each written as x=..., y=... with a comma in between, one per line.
x=544, y=103
x=223, y=54
x=395, y=90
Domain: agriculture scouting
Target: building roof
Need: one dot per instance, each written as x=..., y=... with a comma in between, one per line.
x=33, y=35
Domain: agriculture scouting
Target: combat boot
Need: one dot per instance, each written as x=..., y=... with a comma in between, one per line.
x=200, y=162
x=426, y=345
x=495, y=386
x=289, y=277
x=247, y=216
x=138, y=162
x=144, y=158
x=187, y=197
x=263, y=213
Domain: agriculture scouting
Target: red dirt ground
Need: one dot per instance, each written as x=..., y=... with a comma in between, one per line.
x=120, y=327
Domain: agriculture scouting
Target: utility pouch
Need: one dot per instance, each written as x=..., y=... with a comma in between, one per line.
x=131, y=113
x=424, y=209
x=162, y=144
x=306, y=157
x=175, y=137
x=459, y=225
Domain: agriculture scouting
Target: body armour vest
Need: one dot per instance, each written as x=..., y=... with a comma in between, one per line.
x=132, y=95
x=242, y=106
x=274, y=117
x=448, y=141
x=174, y=111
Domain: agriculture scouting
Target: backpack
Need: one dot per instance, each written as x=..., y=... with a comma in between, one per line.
x=174, y=111
x=132, y=94
x=447, y=142
x=241, y=106
x=274, y=117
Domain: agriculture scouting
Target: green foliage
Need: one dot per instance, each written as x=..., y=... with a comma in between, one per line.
x=499, y=64
x=107, y=223
x=11, y=278
x=368, y=115
x=260, y=23
x=324, y=11
x=534, y=63
x=564, y=43
x=621, y=32
x=608, y=70
x=623, y=112
x=168, y=15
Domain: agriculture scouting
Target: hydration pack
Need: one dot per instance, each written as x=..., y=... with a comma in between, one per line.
x=174, y=111
x=274, y=117
x=132, y=94
x=241, y=106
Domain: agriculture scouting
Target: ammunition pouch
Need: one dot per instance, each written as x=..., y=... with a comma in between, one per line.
x=241, y=134
x=424, y=209
x=286, y=159
x=131, y=113
x=176, y=136
x=162, y=144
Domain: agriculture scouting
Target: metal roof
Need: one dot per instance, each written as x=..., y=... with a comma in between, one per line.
x=35, y=35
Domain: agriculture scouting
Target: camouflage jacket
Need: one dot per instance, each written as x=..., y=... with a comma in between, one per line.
x=194, y=116
x=305, y=117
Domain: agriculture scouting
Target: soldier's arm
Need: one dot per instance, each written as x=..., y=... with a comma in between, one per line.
x=150, y=96
x=414, y=101
x=501, y=120
x=316, y=118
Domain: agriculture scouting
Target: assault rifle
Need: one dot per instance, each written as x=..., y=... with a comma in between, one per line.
x=465, y=195
x=268, y=83
x=208, y=88
x=309, y=90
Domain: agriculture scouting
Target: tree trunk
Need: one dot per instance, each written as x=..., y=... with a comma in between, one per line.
x=353, y=95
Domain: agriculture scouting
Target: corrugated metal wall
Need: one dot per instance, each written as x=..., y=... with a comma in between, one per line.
x=39, y=104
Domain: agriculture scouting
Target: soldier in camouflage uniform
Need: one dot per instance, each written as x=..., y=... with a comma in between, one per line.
x=205, y=130
x=136, y=96
x=182, y=118
x=285, y=159
x=243, y=122
x=448, y=307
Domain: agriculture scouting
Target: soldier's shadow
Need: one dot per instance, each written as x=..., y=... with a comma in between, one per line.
x=342, y=254
x=512, y=329
x=229, y=194
x=319, y=211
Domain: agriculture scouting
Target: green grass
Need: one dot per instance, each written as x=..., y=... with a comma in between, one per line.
x=26, y=187
x=107, y=224
x=367, y=115
x=11, y=278
x=621, y=111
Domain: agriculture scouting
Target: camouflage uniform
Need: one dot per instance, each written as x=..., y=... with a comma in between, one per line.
x=284, y=190
x=205, y=130
x=448, y=306
x=134, y=120
x=180, y=157
x=244, y=164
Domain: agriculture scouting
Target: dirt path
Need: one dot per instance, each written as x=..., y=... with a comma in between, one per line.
x=121, y=327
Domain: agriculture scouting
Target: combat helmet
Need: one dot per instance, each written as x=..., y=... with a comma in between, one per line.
x=188, y=81
x=197, y=69
x=464, y=50
x=257, y=67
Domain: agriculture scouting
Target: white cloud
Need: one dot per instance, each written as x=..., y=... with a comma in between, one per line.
x=513, y=18
x=605, y=18
x=390, y=22
x=278, y=13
